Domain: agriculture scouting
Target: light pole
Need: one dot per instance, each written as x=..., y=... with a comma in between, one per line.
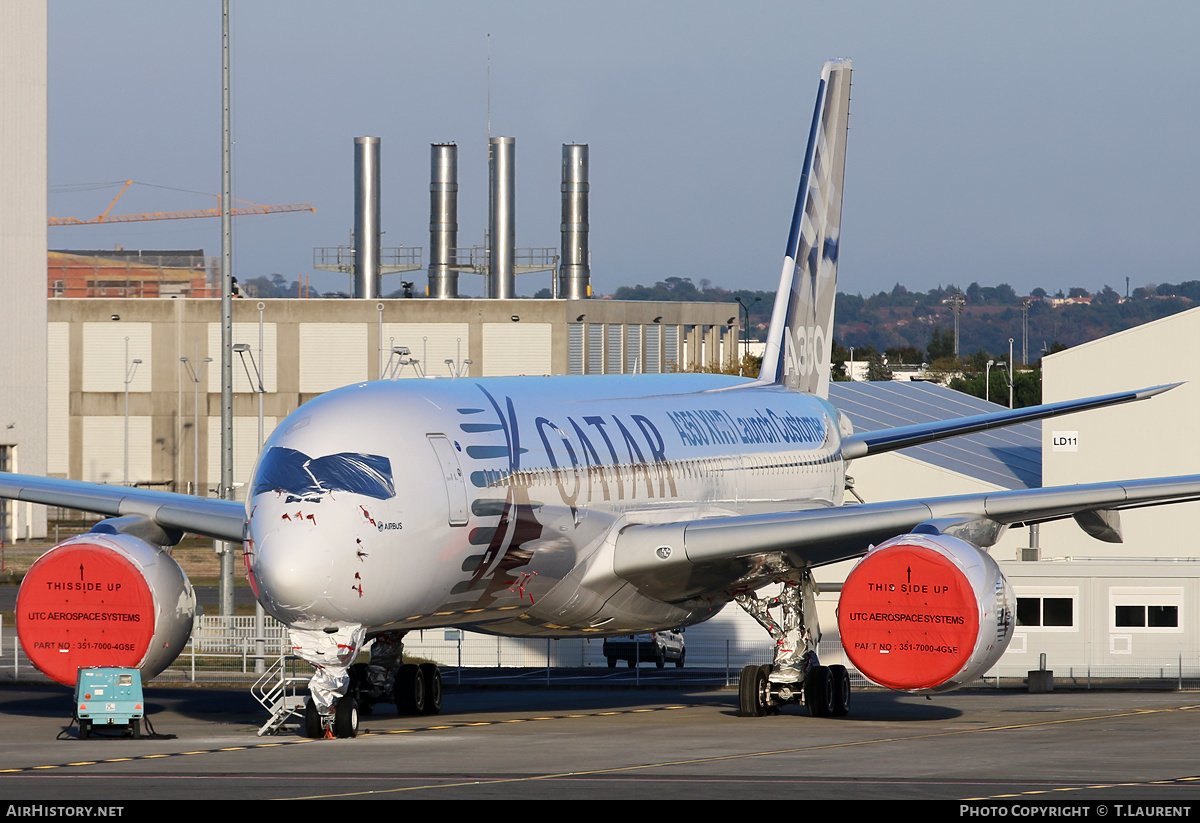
x=194, y=374
x=746, y=328
x=956, y=303
x=987, y=379
x=130, y=370
x=242, y=349
x=1010, y=373
x=1025, y=304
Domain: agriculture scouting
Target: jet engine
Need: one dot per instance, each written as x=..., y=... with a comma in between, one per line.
x=104, y=599
x=925, y=613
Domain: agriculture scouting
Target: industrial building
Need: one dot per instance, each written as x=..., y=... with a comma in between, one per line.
x=1130, y=608
x=23, y=32
x=148, y=367
x=134, y=273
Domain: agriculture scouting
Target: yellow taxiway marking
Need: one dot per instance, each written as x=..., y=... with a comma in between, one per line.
x=299, y=740
x=744, y=755
x=639, y=766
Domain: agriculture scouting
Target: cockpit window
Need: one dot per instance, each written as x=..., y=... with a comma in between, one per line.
x=294, y=472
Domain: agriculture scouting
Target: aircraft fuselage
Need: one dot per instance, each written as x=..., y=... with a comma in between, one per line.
x=419, y=503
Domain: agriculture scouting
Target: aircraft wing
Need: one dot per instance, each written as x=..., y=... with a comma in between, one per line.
x=219, y=519
x=677, y=561
x=886, y=440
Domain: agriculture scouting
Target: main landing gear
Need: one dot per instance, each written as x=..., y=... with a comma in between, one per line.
x=825, y=691
x=796, y=676
x=415, y=688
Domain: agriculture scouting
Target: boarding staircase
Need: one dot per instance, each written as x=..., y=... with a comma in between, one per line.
x=282, y=692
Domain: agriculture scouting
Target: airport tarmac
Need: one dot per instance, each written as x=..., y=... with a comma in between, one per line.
x=980, y=747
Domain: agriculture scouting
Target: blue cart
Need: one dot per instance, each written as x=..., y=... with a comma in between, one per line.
x=109, y=697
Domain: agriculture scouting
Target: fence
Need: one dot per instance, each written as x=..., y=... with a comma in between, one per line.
x=229, y=649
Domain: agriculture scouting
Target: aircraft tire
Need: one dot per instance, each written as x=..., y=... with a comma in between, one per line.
x=752, y=692
x=312, y=721
x=410, y=690
x=345, y=717
x=841, y=690
x=818, y=692
x=432, y=675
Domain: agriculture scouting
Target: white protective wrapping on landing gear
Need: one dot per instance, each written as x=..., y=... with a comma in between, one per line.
x=387, y=653
x=796, y=633
x=332, y=654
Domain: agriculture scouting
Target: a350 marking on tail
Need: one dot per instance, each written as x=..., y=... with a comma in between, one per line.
x=803, y=351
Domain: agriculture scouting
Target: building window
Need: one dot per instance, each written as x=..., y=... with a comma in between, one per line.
x=1153, y=617
x=1148, y=608
x=1045, y=611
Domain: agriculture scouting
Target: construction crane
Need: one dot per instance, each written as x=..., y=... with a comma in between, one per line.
x=105, y=217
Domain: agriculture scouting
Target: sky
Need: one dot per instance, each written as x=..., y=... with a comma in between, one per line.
x=1046, y=144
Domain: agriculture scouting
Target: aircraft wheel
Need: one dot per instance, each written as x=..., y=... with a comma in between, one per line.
x=410, y=690
x=818, y=692
x=841, y=691
x=313, y=727
x=772, y=708
x=345, y=717
x=752, y=691
x=432, y=675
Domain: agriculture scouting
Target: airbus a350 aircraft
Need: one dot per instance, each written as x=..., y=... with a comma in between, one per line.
x=580, y=506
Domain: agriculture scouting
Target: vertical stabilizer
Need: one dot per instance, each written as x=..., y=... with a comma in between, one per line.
x=801, y=336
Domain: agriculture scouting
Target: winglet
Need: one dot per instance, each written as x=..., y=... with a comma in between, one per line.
x=800, y=340
x=1153, y=390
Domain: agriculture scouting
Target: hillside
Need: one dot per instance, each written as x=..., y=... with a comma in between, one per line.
x=990, y=315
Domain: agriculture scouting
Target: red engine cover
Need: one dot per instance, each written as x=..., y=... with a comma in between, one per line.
x=110, y=600
x=925, y=612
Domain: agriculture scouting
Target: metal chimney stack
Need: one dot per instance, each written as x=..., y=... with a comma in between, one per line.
x=502, y=231
x=443, y=219
x=575, y=273
x=366, y=217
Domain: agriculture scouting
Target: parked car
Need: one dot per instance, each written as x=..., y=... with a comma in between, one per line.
x=658, y=647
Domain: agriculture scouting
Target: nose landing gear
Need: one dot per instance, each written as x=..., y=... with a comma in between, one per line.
x=342, y=723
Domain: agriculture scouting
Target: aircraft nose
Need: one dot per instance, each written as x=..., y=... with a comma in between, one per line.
x=292, y=571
